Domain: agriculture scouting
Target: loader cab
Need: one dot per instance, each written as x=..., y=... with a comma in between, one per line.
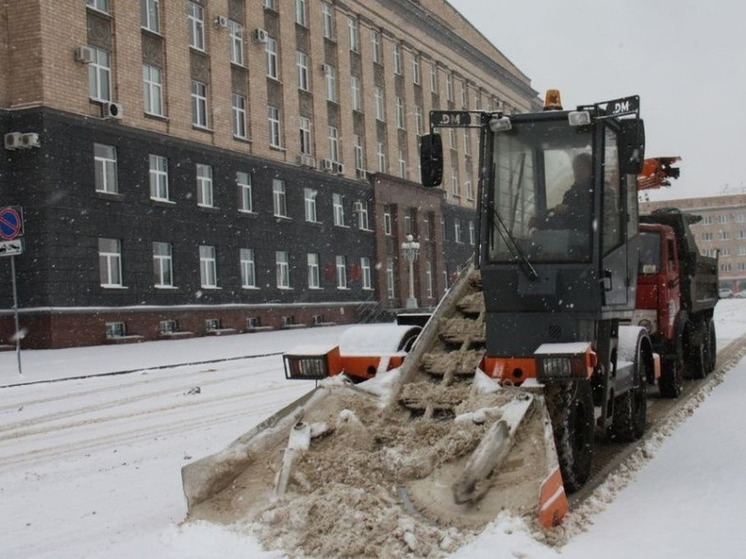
x=554, y=243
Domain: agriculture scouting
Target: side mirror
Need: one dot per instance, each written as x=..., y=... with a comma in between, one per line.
x=431, y=159
x=631, y=146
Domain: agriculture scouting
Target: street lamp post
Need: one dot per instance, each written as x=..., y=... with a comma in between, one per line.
x=411, y=249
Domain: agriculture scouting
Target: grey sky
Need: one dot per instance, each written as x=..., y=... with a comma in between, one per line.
x=686, y=59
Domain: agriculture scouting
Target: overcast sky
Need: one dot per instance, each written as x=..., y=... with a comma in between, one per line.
x=686, y=60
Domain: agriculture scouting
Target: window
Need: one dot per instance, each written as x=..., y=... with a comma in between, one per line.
x=408, y=224
x=196, y=23
x=152, y=90
x=387, y=220
x=365, y=272
x=300, y=13
x=723, y=235
x=400, y=124
x=282, y=269
x=327, y=16
x=433, y=79
x=248, y=268
x=449, y=87
x=354, y=35
x=110, y=262
x=162, y=265
x=469, y=186
x=330, y=73
x=707, y=236
x=100, y=5
x=158, y=177
x=105, y=163
x=313, y=270
x=239, y=116
x=472, y=233
x=397, y=59
x=309, y=197
x=269, y=4
x=390, y=291
x=204, y=186
x=359, y=151
x=381, y=157
x=341, y=272
x=273, y=118
x=426, y=227
x=301, y=59
x=115, y=330
x=305, y=135
x=235, y=30
x=208, y=271
x=149, y=15
x=333, y=143
x=339, y=210
x=271, y=58
x=429, y=279
x=467, y=143
x=416, y=77
x=455, y=188
x=402, y=164
x=361, y=207
x=723, y=219
x=457, y=231
x=380, y=110
x=464, y=95
x=99, y=75
x=245, y=194
x=740, y=218
x=419, y=119
x=375, y=40
x=278, y=198
x=357, y=100
x=199, y=104
x=167, y=327
x=707, y=220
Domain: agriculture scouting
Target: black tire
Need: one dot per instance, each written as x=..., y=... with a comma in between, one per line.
x=570, y=408
x=631, y=408
x=694, y=361
x=671, y=381
x=711, y=347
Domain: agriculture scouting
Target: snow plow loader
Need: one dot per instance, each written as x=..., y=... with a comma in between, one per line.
x=496, y=403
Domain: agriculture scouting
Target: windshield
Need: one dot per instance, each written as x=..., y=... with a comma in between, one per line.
x=650, y=253
x=542, y=194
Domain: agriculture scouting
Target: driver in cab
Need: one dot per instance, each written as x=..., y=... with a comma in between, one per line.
x=574, y=210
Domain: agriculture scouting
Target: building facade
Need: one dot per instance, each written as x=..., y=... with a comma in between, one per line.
x=721, y=233
x=190, y=167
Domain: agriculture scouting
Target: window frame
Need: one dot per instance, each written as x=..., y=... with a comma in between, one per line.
x=196, y=25
x=247, y=263
x=238, y=108
x=279, y=198
x=313, y=270
x=105, y=168
x=235, y=37
x=199, y=104
x=304, y=77
x=208, y=267
x=205, y=186
x=310, y=204
x=338, y=208
x=112, y=258
x=282, y=269
x=163, y=270
x=271, y=59
x=340, y=264
x=152, y=90
x=245, y=191
x=150, y=15
x=158, y=177
x=99, y=75
x=275, y=126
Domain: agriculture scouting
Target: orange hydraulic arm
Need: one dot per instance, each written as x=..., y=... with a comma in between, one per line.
x=656, y=172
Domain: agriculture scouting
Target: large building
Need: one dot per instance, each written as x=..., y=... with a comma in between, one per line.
x=190, y=167
x=721, y=233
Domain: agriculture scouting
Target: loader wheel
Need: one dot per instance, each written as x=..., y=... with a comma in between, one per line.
x=631, y=408
x=570, y=407
x=711, y=347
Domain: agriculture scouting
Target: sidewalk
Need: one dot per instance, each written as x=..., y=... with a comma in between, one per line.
x=40, y=365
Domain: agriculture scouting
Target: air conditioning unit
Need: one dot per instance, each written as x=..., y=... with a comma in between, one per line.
x=221, y=21
x=30, y=140
x=306, y=160
x=260, y=35
x=327, y=165
x=13, y=140
x=361, y=174
x=112, y=111
x=326, y=69
x=84, y=55
x=339, y=168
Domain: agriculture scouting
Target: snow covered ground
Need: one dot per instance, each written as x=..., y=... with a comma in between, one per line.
x=90, y=467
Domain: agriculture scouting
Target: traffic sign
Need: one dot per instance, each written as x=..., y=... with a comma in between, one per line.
x=11, y=223
x=11, y=248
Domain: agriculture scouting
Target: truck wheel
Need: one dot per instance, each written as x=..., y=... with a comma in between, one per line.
x=711, y=349
x=631, y=408
x=570, y=407
x=695, y=353
x=671, y=381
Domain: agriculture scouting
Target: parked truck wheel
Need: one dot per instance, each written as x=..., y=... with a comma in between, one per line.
x=570, y=407
x=631, y=408
x=694, y=360
x=671, y=381
x=710, y=346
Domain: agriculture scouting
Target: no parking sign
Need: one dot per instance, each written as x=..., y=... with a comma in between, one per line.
x=11, y=231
